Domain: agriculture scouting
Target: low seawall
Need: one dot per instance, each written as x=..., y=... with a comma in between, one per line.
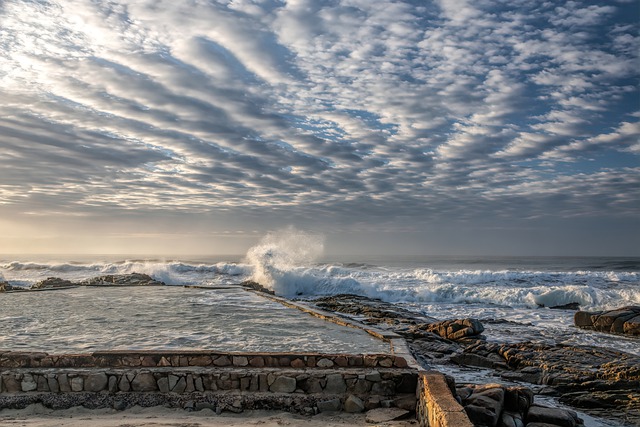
x=305, y=383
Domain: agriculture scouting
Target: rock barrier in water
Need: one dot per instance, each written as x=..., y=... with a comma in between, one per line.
x=53, y=283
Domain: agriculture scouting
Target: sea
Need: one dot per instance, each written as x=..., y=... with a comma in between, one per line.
x=516, y=299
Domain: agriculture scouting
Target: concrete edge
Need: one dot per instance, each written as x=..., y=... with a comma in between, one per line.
x=397, y=344
x=436, y=405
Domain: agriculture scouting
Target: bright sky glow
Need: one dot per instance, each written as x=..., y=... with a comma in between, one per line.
x=445, y=126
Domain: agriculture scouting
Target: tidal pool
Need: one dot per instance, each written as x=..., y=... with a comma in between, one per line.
x=168, y=317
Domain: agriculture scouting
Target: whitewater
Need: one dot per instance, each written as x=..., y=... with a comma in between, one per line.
x=512, y=296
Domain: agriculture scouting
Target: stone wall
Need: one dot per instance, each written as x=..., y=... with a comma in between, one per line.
x=176, y=359
x=306, y=383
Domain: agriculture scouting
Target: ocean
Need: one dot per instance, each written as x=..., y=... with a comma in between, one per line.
x=511, y=296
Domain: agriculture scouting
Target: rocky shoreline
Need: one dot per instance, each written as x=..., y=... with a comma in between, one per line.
x=52, y=283
x=598, y=381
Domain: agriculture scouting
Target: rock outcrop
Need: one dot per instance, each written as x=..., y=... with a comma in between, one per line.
x=132, y=279
x=585, y=377
x=624, y=320
x=496, y=405
x=6, y=287
x=590, y=378
x=52, y=283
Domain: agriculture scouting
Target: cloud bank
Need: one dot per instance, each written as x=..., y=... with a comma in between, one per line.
x=353, y=113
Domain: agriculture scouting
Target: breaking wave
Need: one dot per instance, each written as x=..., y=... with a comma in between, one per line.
x=170, y=272
x=286, y=262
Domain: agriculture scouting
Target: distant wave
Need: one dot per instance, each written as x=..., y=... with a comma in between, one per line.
x=285, y=262
x=172, y=272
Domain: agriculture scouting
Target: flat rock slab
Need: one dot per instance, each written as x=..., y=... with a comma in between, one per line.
x=382, y=415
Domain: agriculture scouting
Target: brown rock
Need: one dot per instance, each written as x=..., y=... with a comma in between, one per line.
x=619, y=321
x=632, y=326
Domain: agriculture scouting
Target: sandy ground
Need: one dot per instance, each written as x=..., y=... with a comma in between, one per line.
x=39, y=416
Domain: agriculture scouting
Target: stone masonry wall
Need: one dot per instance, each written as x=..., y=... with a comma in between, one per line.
x=116, y=359
x=308, y=383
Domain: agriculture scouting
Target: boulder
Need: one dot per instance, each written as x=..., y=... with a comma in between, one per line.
x=485, y=404
x=624, y=320
x=555, y=416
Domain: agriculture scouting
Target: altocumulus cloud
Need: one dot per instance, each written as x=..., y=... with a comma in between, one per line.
x=320, y=109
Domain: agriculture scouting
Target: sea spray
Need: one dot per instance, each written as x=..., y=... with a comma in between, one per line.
x=279, y=258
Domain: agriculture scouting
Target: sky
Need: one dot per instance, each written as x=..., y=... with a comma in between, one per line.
x=502, y=127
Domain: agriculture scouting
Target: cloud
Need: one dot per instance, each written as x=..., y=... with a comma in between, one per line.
x=344, y=111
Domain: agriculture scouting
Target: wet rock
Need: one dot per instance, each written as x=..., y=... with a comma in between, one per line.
x=470, y=359
x=372, y=311
x=256, y=286
x=511, y=419
x=133, y=279
x=484, y=404
x=569, y=306
x=454, y=330
x=518, y=399
x=6, y=287
x=624, y=320
x=554, y=416
x=52, y=283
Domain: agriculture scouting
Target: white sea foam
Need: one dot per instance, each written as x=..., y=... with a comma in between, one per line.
x=277, y=258
x=170, y=272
